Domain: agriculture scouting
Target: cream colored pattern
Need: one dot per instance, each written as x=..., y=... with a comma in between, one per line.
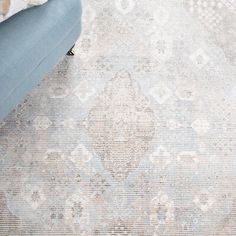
x=11, y=7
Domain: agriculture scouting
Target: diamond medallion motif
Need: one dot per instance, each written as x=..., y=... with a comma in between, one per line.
x=121, y=125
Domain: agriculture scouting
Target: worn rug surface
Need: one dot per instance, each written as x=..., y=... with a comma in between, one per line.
x=136, y=134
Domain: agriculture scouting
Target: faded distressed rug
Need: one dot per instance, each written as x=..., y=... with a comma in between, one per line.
x=133, y=136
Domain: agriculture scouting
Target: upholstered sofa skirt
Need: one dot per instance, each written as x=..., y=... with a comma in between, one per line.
x=31, y=43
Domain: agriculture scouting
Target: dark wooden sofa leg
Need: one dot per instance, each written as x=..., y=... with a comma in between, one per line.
x=70, y=52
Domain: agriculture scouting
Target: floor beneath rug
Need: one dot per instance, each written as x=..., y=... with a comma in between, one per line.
x=134, y=135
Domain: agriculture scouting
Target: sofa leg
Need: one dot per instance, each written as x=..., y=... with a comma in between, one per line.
x=70, y=52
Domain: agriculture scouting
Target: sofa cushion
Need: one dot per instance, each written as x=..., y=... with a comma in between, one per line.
x=29, y=37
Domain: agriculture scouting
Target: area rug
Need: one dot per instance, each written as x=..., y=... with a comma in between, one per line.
x=136, y=134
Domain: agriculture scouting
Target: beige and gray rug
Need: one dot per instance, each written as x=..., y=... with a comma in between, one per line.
x=136, y=134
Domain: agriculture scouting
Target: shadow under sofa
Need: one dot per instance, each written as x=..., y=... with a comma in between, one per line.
x=31, y=43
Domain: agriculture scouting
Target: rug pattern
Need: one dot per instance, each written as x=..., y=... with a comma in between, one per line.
x=134, y=135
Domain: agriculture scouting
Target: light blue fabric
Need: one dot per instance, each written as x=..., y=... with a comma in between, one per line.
x=31, y=43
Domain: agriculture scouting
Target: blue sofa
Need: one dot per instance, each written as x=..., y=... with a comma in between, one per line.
x=31, y=43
